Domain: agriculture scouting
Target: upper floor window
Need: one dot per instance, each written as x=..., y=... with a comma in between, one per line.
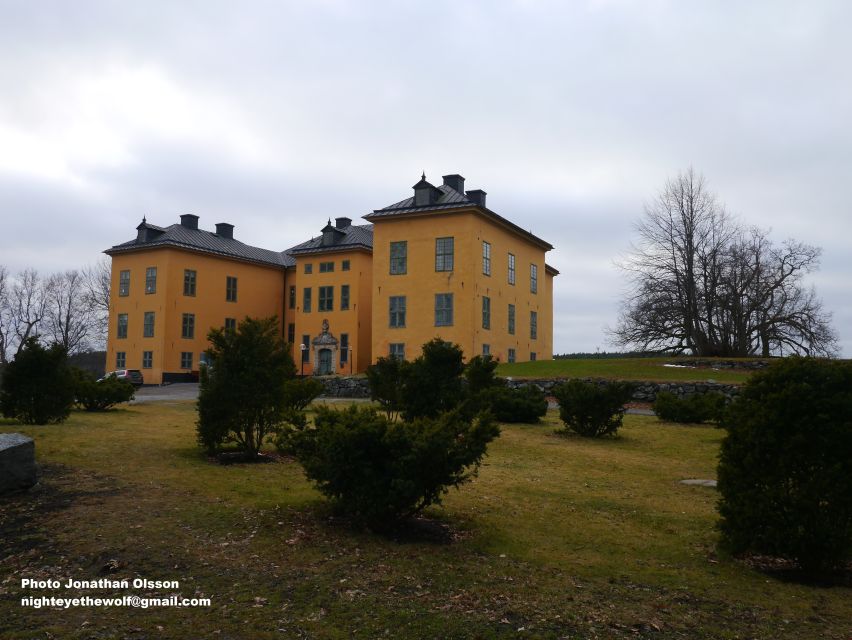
x=124, y=283
x=486, y=258
x=444, y=254
x=511, y=268
x=151, y=280
x=396, y=311
x=306, y=300
x=398, y=257
x=326, y=267
x=344, y=265
x=533, y=325
x=293, y=297
x=533, y=278
x=344, y=297
x=511, y=319
x=189, y=277
x=121, y=330
x=309, y=267
x=443, y=309
x=291, y=333
x=148, y=325
x=188, y=326
x=326, y=299
x=486, y=312
x=231, y=289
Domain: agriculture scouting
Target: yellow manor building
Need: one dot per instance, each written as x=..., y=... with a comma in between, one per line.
x=437, y=264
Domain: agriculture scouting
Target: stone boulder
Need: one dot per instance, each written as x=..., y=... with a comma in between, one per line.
x=17, y=462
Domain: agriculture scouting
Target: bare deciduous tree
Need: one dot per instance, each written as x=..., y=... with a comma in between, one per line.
x=7, y=331
x=68, y=319
x=702, y=284
x=29, y=304
x=96, y=286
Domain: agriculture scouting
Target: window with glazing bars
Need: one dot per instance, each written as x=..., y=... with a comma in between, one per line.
x=151, y=280
x=120, y=359
x=511, y=268
x=511, y=319
x=444, y=254
x=230, y=324
x=533, y=325
x=147, y=359
x=188, y=326
x=148, y=325
x=189, y=278
x=306, y=300
x=486, y=312
x=511, y=355
x=292, y=297
x=231, y=289
x=486, y=258
x=397, y=350
x=326, y=267
x=124, y=283
x=398, y=257
x=443, y=309
x=121, y=330
x=326, y=299
x=186, y=359
x=397, y=311
x=533, y=278
x=344, y=297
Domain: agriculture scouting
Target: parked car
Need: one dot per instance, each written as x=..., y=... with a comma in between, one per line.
x=133, y=376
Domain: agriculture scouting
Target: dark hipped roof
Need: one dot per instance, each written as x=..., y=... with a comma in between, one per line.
x=181, y=237
x=450, y=199
x=351, y=237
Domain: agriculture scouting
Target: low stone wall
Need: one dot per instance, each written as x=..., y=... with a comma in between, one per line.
x=698, y=363
x=644, y=392
x=346, y=387
x=17, y=462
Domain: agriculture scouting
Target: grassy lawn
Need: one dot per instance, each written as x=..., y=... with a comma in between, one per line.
x=622, y=369
x=558, y=537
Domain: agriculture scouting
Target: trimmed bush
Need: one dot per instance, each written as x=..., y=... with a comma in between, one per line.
x=784, y=468
x=243, y=397
x=92, y=395
x=524, y=404
x=300, y=392
x=480, y=374
x=698, y=408
x=38, y=386
x=433, y=381
x=592, y=410
x=380, y=472
x=387, y=379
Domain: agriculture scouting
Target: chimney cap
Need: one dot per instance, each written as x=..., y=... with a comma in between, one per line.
x=225, y=230
x=189, y=220
x=343, y=222
x=477, y=196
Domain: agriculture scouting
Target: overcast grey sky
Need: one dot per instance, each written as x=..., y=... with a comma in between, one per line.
x=275, y=116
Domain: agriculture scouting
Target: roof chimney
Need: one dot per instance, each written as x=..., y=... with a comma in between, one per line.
x=189, y=221
x=477, y=196
x=342, y=223
x=454, y=181
x=225, y=230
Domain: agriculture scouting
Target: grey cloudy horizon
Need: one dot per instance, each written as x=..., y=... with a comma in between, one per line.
x=275, y=116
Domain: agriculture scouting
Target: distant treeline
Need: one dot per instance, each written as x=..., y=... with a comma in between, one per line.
x=603, y=355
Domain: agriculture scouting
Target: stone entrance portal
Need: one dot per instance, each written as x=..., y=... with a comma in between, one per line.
x=325, y=347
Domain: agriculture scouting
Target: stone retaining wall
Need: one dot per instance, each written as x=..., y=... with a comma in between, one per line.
x=17, y=462
x=346, y=387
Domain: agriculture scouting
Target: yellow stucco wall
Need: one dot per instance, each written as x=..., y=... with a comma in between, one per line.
x=466, y=282
x=260, y=293
x=354, y=321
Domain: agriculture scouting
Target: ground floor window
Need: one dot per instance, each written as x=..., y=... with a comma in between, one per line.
x=486, y=349
x=532, y=356
x=186, y=359
x=397, y=350
x=120, y=359
x=147, y=359
x=344, y=348
x=511, y=355
x=230, y=324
